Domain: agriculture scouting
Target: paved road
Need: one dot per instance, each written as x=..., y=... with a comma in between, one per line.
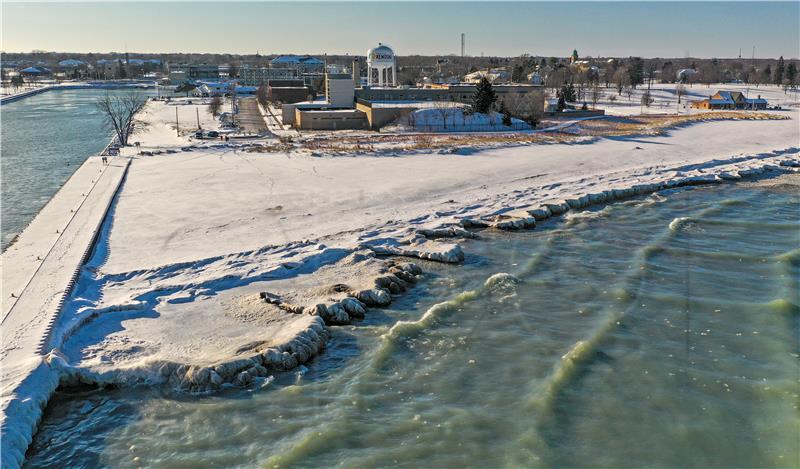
x=250, y=118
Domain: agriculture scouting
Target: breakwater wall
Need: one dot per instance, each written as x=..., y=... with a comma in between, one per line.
x=74, y=86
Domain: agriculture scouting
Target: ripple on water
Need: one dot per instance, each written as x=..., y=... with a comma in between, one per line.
x=617, y=342
x=44, y=139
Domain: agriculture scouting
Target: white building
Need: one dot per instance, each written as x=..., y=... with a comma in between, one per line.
x=493, y=75
x=339, y=90
x=381, y=66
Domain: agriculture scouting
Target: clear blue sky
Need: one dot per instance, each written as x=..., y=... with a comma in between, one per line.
x=651, y=29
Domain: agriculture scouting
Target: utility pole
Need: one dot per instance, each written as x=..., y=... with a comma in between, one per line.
x=177, y=126
x=198, y=117
x=462, y=44
x=233, y=104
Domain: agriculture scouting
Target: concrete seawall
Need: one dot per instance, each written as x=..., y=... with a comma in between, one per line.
x=76, y=86
x=50, y=267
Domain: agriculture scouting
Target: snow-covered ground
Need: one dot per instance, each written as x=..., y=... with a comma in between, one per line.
x=195, y=234
x=665, y=99
x=452, y=118
x=166, y=125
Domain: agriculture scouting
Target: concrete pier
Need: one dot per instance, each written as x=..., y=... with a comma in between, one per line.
x=39, y=270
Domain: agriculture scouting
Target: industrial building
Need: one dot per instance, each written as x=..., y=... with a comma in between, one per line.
x=339, y=90
x=459, y=93
x=289, y=94
x=252, y=76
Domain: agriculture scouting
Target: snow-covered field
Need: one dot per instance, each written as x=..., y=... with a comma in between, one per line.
x=166, y=125
x=665, y=98
x=454, y=119
x=194, y=235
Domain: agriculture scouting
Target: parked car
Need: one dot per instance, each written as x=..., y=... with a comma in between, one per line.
x=212, y=134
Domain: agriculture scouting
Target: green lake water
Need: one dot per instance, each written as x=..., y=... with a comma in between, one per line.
x=662, y=331
x=45, y=138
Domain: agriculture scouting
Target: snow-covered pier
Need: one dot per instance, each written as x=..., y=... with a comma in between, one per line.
x=73, y=86
x=39, y=271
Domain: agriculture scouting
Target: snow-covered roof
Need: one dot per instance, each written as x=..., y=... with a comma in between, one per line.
x=296, y=59
x=35, y=70
x=414, y=104
x=382, y=49
x=70, y=63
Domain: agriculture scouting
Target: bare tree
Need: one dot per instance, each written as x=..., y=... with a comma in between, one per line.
x=647, y=98
x=628, y=92
x=262, y=96
x=215, y=106
x=621, y=79
x=680, y=90
x=445, y=109
x=525, y=106
x=596, y=94
x=411, y=120
x=119, y=112
x=17, y=82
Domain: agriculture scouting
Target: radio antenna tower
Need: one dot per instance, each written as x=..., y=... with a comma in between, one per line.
x=463, y=36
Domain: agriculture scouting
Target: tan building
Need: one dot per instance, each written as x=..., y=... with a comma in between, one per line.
x=330, y=119
x=730, y=100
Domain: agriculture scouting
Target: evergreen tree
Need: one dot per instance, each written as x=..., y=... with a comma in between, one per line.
x=506, y=114
x=565, y=94
x=636, y=71
x=485, y=97
x=779, y=71
x=562, y=103
x=791, y=72
x=517, y=74
x=568, y=93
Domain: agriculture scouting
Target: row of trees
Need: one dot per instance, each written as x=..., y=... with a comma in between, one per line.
x=523, y=106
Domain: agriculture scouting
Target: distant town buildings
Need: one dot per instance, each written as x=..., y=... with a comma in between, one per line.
x=180, y=73
x=494, y=75
x=35, y=72
x=257, y=76
x=301, y=63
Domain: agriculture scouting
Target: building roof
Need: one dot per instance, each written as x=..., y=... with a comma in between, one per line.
x=70, y=63
x=296, y=60
x=35, y=70
x=381, y=49
x=731, y=95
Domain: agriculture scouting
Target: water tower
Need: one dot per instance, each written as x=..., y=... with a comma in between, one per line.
x=381, y=66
